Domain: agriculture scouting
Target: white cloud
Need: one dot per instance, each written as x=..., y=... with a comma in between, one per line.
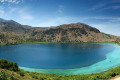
x=60, y=9
x=109, y=19
x=55, y=21
x=21, y=13
x=115, y=7
x=104, y=5
x=24, y=15
x=97, y=6
x=110, y=7
x=67, y=20
x=11, y=1
x=109, y=28
x=2, y=12
x=11, y=10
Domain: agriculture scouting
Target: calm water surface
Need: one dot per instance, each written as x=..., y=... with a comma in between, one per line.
x=56, y=56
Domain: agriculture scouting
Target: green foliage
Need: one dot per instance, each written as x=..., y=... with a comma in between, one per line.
x=3, y=75
x=12, y=77
x=4, y=64
x=6, y=76
x=22, y=73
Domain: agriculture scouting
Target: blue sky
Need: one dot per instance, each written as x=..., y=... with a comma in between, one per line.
x=102, y=14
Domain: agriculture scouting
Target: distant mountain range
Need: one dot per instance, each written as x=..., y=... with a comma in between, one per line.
x=12, y=32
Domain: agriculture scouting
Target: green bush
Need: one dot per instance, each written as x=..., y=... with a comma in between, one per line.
x=4, y=64
x=22, y=73
x=12, y=77
x=3, y=75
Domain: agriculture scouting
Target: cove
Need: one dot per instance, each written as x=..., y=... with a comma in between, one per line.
x=65, y=59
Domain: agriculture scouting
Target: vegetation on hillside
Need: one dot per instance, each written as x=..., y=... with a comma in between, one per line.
x=10, y=71
x=12, y=32
x=4, y=64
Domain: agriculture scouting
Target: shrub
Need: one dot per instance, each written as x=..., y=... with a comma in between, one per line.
x=12, y=77
x=21, y=73
x=3, y=75
x=4, y=64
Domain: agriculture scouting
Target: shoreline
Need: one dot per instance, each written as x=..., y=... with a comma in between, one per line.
x=83, y=70
x=118, y=43
x=98, y=67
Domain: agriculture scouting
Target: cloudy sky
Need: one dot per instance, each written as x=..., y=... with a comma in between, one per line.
x=102, y=14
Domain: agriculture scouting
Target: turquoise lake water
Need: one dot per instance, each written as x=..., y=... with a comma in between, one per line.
x=65, y=59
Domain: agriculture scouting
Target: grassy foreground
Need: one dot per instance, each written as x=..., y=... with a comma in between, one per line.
x=10, y=71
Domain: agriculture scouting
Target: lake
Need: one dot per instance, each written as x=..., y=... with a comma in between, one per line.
x=59, y=58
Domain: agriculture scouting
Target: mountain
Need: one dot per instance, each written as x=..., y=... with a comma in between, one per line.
x=12, y=26
x=77, y=32
x=2, y=20
x=12, y=32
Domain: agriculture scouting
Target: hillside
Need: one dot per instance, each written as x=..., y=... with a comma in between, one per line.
x=12, y=32
x=78, y=32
